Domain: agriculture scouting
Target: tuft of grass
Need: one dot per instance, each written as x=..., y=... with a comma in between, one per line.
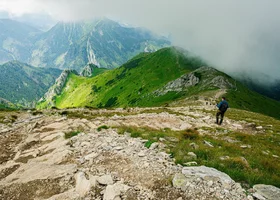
x=102, y=127
x=71, y=134
x=148, y=143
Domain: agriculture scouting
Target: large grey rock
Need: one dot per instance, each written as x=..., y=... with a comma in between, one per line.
x=82, y=184
x=105, y=180
x=206, y=172
x=113, y=192
x=268, y=191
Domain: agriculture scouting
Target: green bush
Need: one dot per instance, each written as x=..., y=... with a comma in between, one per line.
x=71, y=134
x=102, y=127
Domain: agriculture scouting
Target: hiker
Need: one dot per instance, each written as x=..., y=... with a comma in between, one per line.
x=223, y=106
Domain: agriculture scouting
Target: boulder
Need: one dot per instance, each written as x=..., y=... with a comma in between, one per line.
x=82, y=184
x=105, y=180
x=268, y=191
x=206, y=172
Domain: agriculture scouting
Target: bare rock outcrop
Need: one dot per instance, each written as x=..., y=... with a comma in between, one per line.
x=56, y=89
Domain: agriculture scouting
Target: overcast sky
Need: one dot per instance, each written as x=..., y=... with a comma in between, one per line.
x=232, y=35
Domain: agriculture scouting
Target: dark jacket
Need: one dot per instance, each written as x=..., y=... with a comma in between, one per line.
x=223, y=107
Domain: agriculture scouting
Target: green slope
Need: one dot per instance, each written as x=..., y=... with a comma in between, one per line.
x=142, y=80
x=21, y=83
x=131, y=84
x=246, y=99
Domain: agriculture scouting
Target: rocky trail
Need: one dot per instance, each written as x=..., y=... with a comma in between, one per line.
x=38, y=162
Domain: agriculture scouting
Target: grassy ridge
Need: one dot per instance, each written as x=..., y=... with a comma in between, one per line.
x=132, y=84
x=135, y=83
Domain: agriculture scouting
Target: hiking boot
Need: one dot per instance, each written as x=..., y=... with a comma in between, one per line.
x=217, y=120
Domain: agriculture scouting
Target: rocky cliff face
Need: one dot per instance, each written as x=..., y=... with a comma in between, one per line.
x=203, y=78
x=56, y=89
x=179, y=85
x=88, y=70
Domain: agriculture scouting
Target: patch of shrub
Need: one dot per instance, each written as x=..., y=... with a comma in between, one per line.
x=148, y=143
x=71, y=134
x=191, y=134
x=111, y=102
x=65, y=112
x=102, y=127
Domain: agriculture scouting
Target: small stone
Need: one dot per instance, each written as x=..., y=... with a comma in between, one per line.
x=259, y=128
x=275, y=156
x=118, y=148
x=249, y=197
x=91, y=156
x=154, y=145
x=192, y=155
x=162, y=139
x=179, y=181
x=265, y=153
x=193, y=163
x=194, y=146
x=142, y=154
x=105, y=180
x=224, y=157
x=208, y=143
x=258, y=196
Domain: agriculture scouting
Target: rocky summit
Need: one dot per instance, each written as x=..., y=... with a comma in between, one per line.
x=55, y=155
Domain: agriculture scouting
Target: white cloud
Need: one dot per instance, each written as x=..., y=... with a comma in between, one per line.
x=231, y=34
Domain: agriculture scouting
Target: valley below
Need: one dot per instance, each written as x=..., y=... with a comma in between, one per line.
x=138, y=153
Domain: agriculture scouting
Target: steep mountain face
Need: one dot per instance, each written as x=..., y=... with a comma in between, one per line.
x=57, y=88
x=16, y=40
x=154, y=79
x=22, y=83
x=104, y=43
x=92, y=70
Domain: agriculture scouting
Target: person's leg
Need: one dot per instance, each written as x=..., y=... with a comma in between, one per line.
x=217, y=117
x=222, y=117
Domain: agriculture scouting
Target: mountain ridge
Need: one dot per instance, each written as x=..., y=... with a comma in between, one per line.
x=102, y=42
x=167, y=76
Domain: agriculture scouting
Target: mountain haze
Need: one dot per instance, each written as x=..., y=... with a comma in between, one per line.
x=16, y=40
